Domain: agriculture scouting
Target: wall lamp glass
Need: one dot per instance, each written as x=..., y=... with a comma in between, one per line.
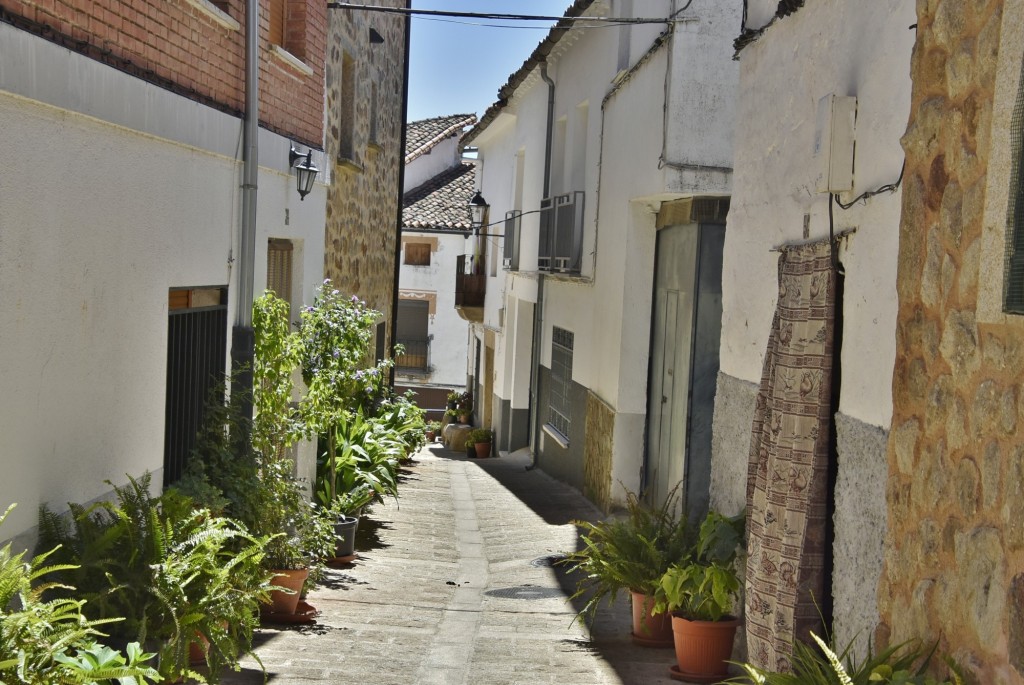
x=478, y=210
x=305, y=171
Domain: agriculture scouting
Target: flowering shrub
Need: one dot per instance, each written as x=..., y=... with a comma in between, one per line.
x=336, y=334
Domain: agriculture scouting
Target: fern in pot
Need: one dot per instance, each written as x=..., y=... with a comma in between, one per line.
x=700, y=594
x=632, y=553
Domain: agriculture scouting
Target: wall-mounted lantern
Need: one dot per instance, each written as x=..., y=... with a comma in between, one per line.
x=305, y=172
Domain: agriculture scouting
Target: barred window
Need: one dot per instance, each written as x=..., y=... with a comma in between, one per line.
x=559, y=414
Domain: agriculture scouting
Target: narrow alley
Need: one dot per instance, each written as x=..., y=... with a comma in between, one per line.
x=453, y=584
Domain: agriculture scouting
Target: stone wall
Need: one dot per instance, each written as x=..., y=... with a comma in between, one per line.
x=362, y=201
x=954, y=552
x=597, y=452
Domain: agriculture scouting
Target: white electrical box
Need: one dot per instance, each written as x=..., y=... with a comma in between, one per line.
x=834, y=143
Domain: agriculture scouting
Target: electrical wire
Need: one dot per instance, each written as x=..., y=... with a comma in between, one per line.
x=492, y=15
x=510, y=26
x=887, y=188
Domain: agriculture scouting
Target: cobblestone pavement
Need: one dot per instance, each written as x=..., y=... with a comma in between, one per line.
x=452, y=585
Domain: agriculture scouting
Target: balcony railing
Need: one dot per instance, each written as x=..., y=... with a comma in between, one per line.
x=470, y=281
x=416, y=356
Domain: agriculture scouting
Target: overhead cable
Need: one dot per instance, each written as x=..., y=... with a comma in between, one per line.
x=491, y=15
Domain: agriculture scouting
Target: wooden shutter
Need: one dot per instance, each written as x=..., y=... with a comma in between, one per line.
x=279, y=268
x=277, y=19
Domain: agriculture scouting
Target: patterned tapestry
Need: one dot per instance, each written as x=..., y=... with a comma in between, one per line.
x=787, y=476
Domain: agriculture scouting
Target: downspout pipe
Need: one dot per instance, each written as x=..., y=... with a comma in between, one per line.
x=242, y=337
x=538, y=311
x=401, y=196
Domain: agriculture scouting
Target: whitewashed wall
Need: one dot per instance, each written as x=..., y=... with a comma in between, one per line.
x=426, y=167
x=799, y=60
x=609, y=306
x=850, y=48
x=112, y=192
x=448, y=348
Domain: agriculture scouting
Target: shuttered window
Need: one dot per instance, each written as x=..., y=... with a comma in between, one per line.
x=277, y=22
x=417, y=254
x=279, y=268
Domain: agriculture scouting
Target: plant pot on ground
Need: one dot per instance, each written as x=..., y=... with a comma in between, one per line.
x=700, y=594
x=632, y=552
x=345, y=531
x=480, y=439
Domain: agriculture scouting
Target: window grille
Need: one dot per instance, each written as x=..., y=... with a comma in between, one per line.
x=559, y=407
x=1013, y=286
x=561, y=233
x=196, y=359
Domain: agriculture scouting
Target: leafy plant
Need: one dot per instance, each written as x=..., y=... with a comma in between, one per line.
x=630, y=553
x=177, y=575
x=820, y=664
x=335, y=334
x=480, y=435
x=704, y=587
x=45, y=641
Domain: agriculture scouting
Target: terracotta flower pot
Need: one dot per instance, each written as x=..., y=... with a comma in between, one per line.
x=282, y=602
x=650, y=630
x=483, y=449
x=703, y=648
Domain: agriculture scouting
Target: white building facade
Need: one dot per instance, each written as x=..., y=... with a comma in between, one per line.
x=611, y=161
x=120, y=208
x=795, y=62
x=438, y=184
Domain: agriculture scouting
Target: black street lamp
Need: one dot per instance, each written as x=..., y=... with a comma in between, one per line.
x=305, y=172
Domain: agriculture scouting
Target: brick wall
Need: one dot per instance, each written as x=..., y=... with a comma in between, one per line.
x=176, y=45
x=362, y=202
x=954, y=564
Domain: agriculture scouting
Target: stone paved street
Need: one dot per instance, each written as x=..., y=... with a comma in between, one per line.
x=444, y=592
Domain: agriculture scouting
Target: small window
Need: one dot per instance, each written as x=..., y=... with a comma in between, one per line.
x=559, y=412
x=346, y=108
x=279, y=268
x=287, y=29
x=417, y=254
x=374, y=136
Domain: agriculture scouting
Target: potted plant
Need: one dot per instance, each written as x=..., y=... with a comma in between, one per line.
x=433, y=428
x=481, y=439
x=631, y=553
x=171, y=576
x=47, y=640
x=700, y=594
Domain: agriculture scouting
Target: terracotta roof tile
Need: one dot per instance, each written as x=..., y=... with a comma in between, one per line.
x=421, y=136
x=441, y=202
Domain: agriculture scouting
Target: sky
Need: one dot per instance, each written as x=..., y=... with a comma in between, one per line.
x=456, y=67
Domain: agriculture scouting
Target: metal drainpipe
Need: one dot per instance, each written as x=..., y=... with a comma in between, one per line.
x=242, y=337
x=401, y=198
x=538, y=312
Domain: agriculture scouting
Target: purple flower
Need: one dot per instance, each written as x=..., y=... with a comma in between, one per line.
x=334, y=292
x=355, y=299
x=327, y=281
x=337, y=353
